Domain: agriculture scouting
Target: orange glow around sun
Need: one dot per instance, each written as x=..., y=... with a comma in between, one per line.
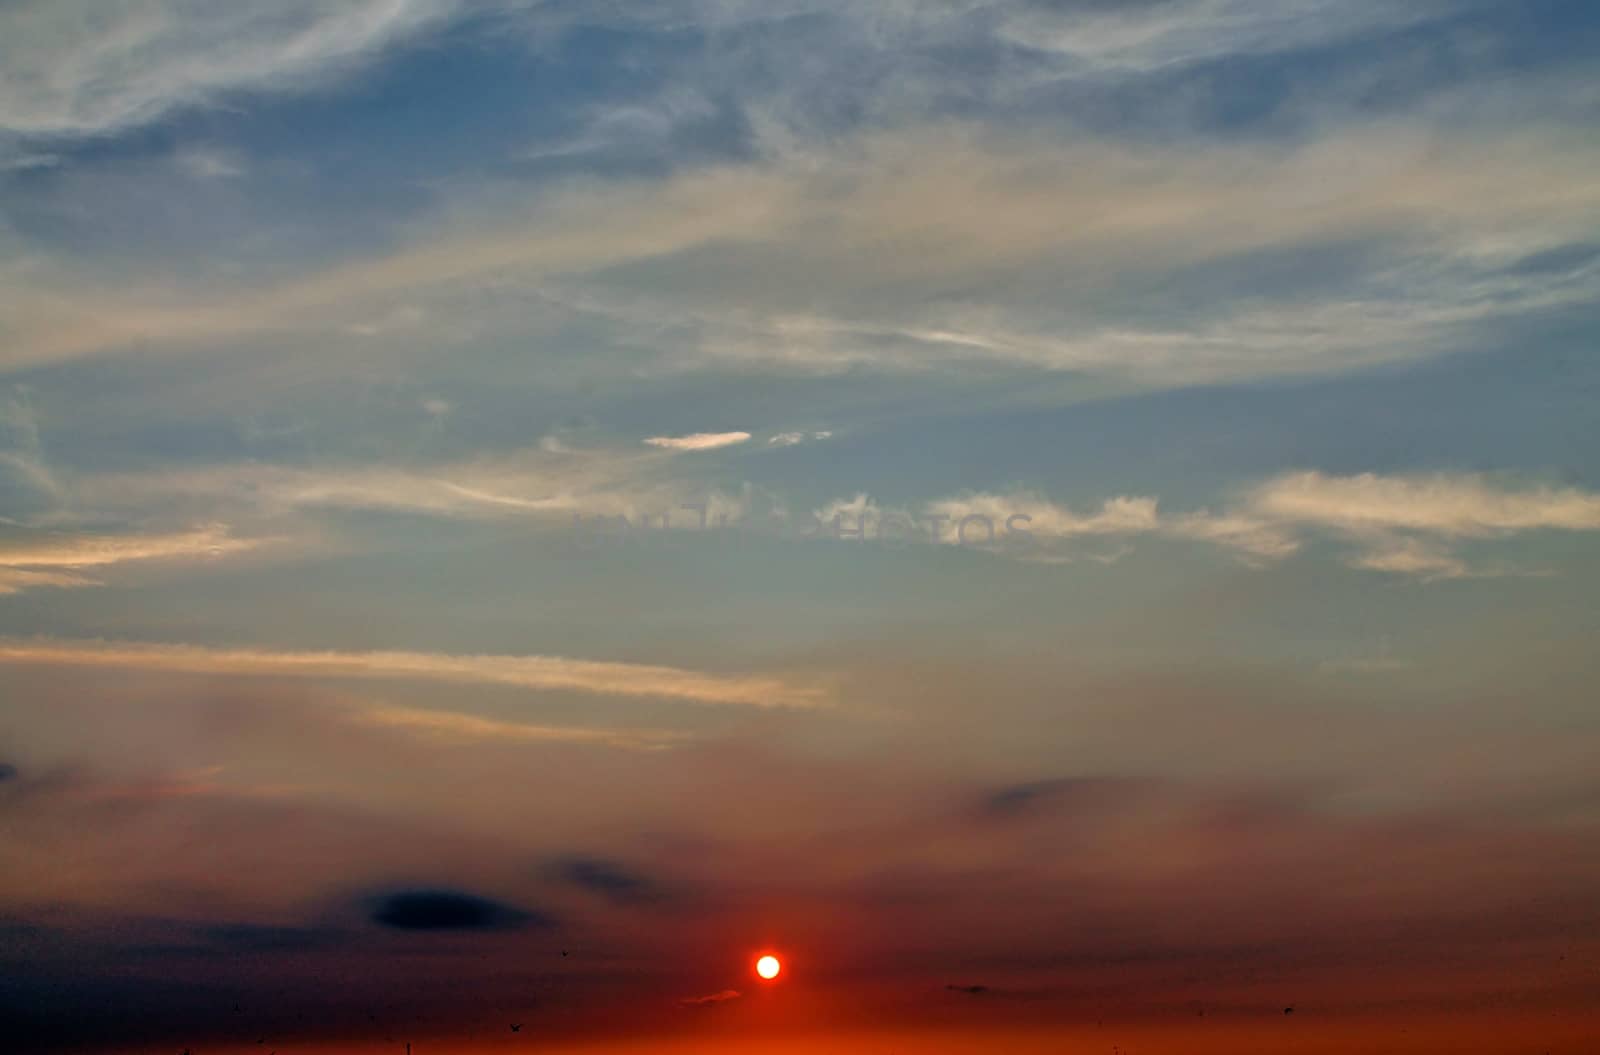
x=768, y=967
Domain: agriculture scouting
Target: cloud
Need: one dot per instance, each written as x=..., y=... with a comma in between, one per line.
x=1401, y=524
x=1027, y=523
x=457, y=728
x=552, y=482
x=72, y=74
x=1411, y=557
x=539, y=673
x=1407, y=524
x=1449, y=506
x=1255, y=538
x=699, y=441
x=1123, y=515
x=843, y=258
x=83, y=68
x=883, y=859
x=429, y=910
x=26, y=482
x=23, y=560
x=1022, y=799
x=210, y=163
x=615, y=882
x=629, y=129
x=16, y=580
x=1145, y=38
x=27, y=162
x=711, y=999
x=93, y=551
x=791, y=439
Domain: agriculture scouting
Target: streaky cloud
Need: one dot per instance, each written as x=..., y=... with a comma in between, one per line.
x=1401, y=524
x=456, y=727
x=83, y=68
x=1451, y=219
x=1448, y=505
x=699, y=441
x=93, y=551
x=57, y=560
x=539, y=673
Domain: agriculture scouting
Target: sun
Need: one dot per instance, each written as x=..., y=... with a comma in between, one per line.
x=768, y=967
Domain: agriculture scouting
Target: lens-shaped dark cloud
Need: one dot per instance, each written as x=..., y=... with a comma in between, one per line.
x=439, y=909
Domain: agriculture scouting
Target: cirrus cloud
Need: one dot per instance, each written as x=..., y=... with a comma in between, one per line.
x=541, y=673
x=80, y=67
x=57, y=559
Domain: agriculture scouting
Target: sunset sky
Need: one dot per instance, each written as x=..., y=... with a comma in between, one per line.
x=1073, y=523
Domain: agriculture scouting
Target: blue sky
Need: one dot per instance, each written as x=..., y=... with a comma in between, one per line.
x=323, y=324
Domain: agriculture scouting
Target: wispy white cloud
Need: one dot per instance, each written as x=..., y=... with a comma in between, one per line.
x=91, y=551
x=56, y=559
x=699, y=441
x=1254, y=538
x=83, y=67
x=1038, y=234
x=553, y=483
x=1123, y=515
x=15, y=580
x=1140, y=38
x=25, y=162
x=210, y=163
x=79, y=67
x=539, y=673
x=21, y=453
x=457, y=727
x=1409, y=525
x=1412, y=557
x=628, y=128
x=1446, y=505
x=1402, y=524
x=1405, y=525
x=1251, y=537
x=792, y=439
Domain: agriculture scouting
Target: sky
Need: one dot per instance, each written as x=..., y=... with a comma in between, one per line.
x=1073, y=522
